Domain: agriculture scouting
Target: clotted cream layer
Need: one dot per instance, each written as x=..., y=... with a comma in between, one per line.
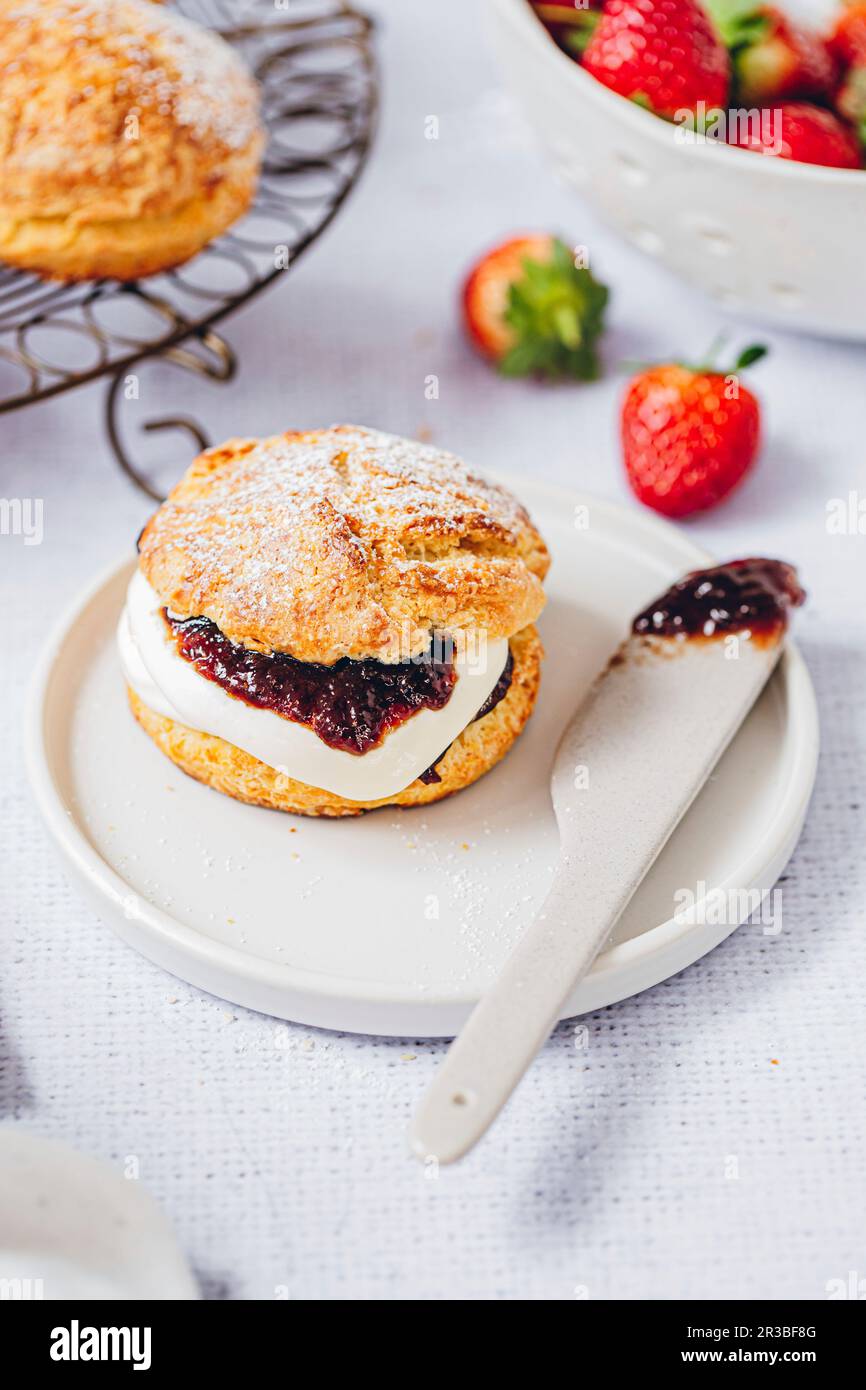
x=171, y=686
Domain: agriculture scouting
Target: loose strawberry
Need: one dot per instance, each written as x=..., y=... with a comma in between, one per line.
x=773, y=57
x=847, y=41
x=531, y=309
x=663, y=54
x=797, y=131
x=689, y=434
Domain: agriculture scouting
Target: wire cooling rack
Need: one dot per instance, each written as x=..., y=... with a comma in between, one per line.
x=314, y=61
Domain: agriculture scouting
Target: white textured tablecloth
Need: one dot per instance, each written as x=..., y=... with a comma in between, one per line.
x=279, y=1151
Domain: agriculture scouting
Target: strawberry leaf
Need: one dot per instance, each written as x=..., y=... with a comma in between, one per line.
x=851, y=101
x=739, y=23
x=750, y=355
x=524, y=359
x=574, y=36
x=556, y=312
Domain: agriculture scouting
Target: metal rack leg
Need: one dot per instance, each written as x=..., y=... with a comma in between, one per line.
x=217, y=364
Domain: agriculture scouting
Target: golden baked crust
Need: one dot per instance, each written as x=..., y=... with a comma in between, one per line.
x=227, y=769
x=343, y=542
x=129, y=137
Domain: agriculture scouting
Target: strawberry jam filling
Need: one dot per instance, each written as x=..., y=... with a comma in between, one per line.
x=745, y=595
x=349, y=706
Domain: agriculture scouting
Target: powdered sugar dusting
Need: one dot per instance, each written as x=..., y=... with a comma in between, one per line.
x=164, y=62
x=343, y=541
x=369, y=476
x=283, y=483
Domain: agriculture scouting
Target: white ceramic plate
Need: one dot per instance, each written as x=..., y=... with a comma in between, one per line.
x=395, y=922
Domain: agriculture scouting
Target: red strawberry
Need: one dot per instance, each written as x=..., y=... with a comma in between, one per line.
x=689, y=434
x=664, y=54
x=801, y=132
x=531, y=309
x=847, y=39
x=773, y=57
x=848, y=42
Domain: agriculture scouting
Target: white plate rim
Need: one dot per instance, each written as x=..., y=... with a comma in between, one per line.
x=254, y=971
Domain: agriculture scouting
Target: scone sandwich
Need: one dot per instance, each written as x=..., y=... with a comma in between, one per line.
x=130, y=137
x=331, y=621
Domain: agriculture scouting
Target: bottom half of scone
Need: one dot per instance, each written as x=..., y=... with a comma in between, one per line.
x=477, y=749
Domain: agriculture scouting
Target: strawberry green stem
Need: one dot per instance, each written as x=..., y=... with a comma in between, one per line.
x=747, y=357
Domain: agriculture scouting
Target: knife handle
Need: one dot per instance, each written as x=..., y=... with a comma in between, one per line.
x=509, y=1025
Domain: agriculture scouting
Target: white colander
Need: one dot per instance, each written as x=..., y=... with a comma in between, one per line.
x=780, y=240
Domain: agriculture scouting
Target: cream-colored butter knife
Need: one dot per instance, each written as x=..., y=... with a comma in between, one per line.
x=628, y=766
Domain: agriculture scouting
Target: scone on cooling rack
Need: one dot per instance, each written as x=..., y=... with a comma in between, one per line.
x=129, y=137
x=330, y=621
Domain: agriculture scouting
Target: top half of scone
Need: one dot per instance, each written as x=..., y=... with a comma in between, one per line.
x=114, y=109
x=343, y=542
